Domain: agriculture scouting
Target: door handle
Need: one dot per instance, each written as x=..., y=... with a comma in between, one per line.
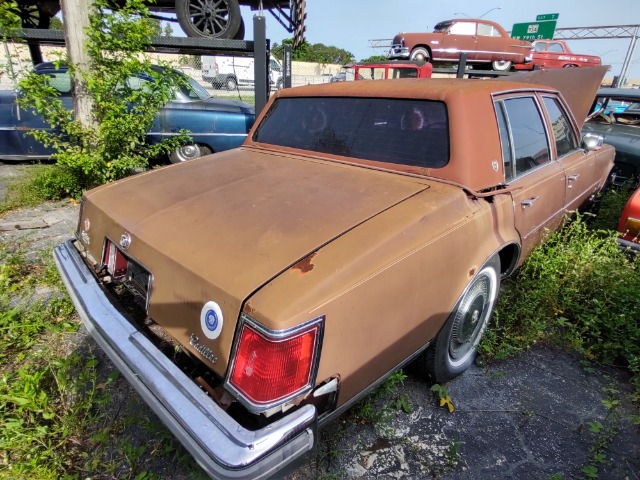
x=572, y=178
x=529, y=202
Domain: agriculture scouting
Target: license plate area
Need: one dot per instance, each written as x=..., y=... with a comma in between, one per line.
x=126, y=271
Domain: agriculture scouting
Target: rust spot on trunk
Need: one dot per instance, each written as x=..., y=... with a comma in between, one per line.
x=249, y=310
x=305, y=265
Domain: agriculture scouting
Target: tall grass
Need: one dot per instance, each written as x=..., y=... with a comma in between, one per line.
x=577, y=290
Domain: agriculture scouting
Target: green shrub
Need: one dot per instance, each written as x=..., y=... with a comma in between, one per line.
x=577, y=289
x=113, y=145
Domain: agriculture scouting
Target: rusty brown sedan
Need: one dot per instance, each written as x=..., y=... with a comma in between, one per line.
x=253, y=295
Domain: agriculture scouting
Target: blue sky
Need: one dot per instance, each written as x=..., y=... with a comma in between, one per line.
x=350, y=24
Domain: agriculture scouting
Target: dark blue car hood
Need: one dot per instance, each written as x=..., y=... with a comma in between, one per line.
x=219, y=104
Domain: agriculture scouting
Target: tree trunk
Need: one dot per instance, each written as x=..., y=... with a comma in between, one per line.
x=76, y=21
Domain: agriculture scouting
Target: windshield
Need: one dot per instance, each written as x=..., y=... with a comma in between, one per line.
x=398, y=131
x=192, y=91
x=442, y=27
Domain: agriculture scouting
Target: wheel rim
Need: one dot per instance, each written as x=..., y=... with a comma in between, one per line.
x=420, y=55
x=211, y=17
x=29, y=15
x=187, y=152
x=501, y=65
x=472, y=316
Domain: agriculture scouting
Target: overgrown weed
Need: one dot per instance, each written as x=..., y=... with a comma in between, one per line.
x=578, y=290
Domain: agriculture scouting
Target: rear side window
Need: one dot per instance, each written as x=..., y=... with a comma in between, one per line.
x=563, y=133
x=398, y=131
x=61, y=81
x=526, y=134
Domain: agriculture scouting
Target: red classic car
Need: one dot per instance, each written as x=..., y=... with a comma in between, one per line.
x=629, y=225
x=557, y=54
x=483, y=41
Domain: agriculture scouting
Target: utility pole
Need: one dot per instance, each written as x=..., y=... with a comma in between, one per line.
x=76, y=21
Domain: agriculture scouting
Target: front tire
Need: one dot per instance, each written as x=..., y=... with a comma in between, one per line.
x=454, y=348
x=501, y=65
x=420, y=54
x=188, y=152
x=209, y=18
x=230, y=83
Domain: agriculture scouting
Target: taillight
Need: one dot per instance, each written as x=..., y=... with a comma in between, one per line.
x=630, y=227
x=114, y=260
x=271, y=367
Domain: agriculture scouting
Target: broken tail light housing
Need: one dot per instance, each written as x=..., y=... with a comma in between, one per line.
x=269, y=368
x=115, y=261
x=127, y=271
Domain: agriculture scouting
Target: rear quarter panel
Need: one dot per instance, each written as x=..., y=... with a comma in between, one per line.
x=388, y=286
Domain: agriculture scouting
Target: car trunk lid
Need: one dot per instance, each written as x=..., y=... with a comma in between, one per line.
x=218, y=228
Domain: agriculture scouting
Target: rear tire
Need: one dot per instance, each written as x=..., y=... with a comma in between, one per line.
x=230, y=83
x=501, y=65
x=454, y=348
x=209, y=18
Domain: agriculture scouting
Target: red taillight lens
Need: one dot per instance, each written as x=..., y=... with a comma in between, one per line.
x=270, y=368
x=114, y=260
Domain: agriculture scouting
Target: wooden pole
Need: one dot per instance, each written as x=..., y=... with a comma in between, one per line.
x=76, y=21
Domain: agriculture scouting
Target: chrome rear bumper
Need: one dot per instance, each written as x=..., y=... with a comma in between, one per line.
x=222, y=447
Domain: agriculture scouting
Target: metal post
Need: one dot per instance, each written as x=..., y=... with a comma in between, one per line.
x=286, y=62
x=260, y=71
x=462, y=65
x=627, y=59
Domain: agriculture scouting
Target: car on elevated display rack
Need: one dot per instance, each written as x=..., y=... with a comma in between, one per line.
x=197, y=18
x=557, y=54
x=485, y=43
x=213, y=124
x=615, y=115
x=362, y=225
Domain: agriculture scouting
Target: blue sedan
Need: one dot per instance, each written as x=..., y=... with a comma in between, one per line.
x=214, y=124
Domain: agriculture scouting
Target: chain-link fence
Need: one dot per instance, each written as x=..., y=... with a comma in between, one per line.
x=221, y=76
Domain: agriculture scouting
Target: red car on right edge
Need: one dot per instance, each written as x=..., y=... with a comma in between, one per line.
x=557, y=54
x=629, y=225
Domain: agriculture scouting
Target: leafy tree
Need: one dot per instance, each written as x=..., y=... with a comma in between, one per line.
x=56, y=24
x=167, y=31
x=375, y=58
x=87, y=156
x=316, y=52
x=9, y=19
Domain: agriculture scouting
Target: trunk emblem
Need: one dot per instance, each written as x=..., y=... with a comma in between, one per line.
x=202, y=349
x=211, y=320
x=125, y=240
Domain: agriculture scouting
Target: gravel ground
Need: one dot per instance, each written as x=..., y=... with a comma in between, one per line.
x=525, y=418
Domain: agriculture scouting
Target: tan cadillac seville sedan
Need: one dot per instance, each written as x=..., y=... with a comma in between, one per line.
x=253, y=295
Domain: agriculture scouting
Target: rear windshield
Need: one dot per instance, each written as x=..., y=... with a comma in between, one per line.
x=402, y=132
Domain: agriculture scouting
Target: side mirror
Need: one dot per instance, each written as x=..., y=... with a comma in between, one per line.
x=592, y=142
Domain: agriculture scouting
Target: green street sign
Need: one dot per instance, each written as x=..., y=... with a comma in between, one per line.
x=534, y=30
x=547, y=16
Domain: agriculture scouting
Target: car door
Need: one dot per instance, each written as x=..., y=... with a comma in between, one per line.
x=490, y=45
x=461, y=37
x=141, y=82
x=536, y=181
x=578, y=164
x=28, y=120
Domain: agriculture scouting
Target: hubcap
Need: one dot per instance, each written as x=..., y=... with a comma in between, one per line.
x=471, y=317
